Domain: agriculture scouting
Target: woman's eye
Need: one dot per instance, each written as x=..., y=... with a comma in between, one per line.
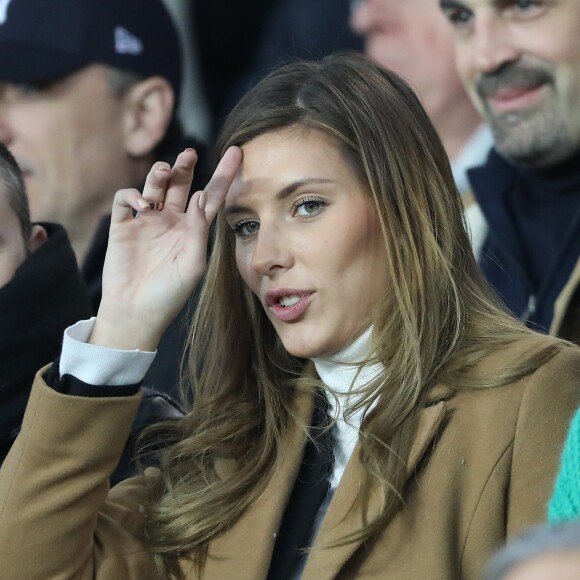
x=308, y=207
x=246, y=229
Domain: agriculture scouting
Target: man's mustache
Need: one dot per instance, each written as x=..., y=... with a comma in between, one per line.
x=512, y=76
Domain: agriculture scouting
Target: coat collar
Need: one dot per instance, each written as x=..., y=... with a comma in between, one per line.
x=564, y=321
x=345, y=515
x=261, y=521
x=245, y=550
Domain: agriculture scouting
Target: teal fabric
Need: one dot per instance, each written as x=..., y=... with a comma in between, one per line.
x=565, y=502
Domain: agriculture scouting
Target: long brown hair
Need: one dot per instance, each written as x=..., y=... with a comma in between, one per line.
x=437, y=319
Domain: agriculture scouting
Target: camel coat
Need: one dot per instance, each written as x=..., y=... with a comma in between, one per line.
x=480, y=470
x=566, y=321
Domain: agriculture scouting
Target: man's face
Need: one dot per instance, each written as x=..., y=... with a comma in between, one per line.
x=520, y=63
x=412, y=38
x=68, y=139
x=12, y=245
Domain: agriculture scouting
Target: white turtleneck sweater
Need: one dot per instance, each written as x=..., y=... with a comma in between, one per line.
x=99, y=366
x=339, y=373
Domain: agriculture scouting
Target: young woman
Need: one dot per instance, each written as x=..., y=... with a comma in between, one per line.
x=362, y=405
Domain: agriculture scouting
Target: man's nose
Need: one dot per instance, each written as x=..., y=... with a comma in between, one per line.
x=492, y=44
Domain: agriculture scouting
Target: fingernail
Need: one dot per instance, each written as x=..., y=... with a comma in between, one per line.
x=202, y=200
x=143, y=204
x=190, y=149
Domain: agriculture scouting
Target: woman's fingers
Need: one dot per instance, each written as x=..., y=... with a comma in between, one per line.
x=125, y=201
x=219, y=185
x=167, y=187
x=156, y=184
x=181, y=177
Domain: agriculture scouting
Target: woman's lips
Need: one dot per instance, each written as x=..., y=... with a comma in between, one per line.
x=292, y=312
x=515, y=99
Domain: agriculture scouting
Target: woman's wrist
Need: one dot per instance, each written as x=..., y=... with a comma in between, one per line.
x=124, y=333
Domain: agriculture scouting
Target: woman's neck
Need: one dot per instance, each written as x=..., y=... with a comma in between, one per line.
x=339, y=371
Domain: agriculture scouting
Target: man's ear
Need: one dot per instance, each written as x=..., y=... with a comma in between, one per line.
x=38, y=236
x=149, y=107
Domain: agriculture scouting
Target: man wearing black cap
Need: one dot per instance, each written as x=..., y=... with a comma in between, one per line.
x=88, y=92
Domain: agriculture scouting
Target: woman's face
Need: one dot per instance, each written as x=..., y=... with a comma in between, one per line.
x=308, y=241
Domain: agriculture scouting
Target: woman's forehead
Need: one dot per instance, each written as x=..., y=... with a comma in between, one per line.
x=277, y=160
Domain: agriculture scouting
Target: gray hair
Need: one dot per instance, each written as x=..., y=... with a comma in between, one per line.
x=122, y=81
x=544, y=539
x=11, y=176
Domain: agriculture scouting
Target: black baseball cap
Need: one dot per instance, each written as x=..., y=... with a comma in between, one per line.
x=43, y=40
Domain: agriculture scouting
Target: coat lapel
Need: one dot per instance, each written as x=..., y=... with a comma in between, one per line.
x=345, y=517
x=245, y=550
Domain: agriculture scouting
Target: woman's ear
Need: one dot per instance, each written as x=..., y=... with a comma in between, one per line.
x=38, y=236
x=148, y=111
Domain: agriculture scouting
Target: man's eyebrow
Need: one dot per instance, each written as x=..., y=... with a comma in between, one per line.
x=283, y=193
x=450, y=4
x=457, y=5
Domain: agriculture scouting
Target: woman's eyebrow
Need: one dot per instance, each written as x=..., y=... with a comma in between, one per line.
x=292, y=187
x=282, y=194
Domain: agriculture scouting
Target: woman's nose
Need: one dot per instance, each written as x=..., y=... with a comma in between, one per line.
x=271, y=251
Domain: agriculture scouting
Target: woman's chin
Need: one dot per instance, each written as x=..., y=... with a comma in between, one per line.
x=308, y=350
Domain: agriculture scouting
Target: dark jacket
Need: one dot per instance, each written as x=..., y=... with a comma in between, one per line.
x=533, y=244
x=46, y=295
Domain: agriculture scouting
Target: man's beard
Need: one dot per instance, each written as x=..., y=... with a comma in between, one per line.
x=535, y=136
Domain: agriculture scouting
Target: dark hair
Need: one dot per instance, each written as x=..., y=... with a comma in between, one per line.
x=11, y=176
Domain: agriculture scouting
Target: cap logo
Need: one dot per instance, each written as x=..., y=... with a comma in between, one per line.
x=4, y=10
x=125, y=42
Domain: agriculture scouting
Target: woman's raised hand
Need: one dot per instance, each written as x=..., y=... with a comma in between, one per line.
x=156, y=259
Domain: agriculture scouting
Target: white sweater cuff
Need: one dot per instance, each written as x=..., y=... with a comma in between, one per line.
x=97, y=365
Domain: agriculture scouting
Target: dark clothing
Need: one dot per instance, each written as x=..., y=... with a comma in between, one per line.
x=302, y=29
x=227, y=34
x=310, y=490
x=46, y=295
x=236, y=52
x=533, y=243
x=164, y=372
x=92, y=267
